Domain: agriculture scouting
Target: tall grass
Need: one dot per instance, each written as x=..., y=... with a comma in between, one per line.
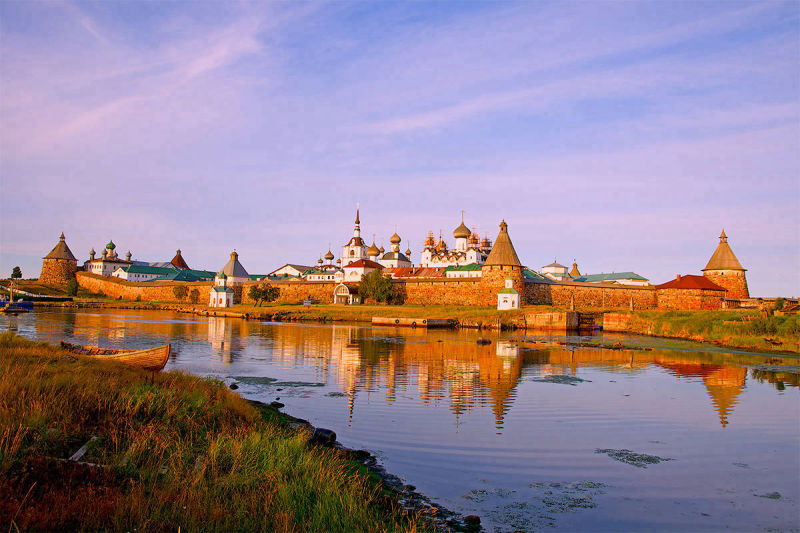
x=176, y=451
x=744, y=329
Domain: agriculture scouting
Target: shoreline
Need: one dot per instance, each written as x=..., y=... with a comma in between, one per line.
x=38, y=457
x=657, y=324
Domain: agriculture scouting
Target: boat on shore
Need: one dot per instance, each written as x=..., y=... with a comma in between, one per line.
x=153, y=359
x=13, y=308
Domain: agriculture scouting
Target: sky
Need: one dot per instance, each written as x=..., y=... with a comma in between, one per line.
x=622, y=135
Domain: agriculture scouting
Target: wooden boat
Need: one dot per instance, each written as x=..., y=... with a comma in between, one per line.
x=13, y=309
x=151, y=359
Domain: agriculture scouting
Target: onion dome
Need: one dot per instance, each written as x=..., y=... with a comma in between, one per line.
x=319, y=261
x=128, y=256
x=381, y=249
x=329, y=256
x=339, y=261
x=408, y=251
x=462, y=231
x=395, y=239
x=110, y=245
x=441, y=246
x=373, y=250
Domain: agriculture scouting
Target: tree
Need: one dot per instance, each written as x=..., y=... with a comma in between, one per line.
x=180, y=292
x=194, y=296
x=376, y=287
x=263, y=293
x=16, y=273
x=72, y=288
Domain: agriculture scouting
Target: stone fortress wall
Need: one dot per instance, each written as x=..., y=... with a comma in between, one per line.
x=57, y=271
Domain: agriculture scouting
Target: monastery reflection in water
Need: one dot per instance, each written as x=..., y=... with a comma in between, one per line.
x=443, y=365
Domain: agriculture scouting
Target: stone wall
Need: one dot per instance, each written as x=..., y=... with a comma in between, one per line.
x=454, y=291
x=598, y=295
x=734, y=281
x=152, y=291
x=686, y=299
x=57, y=271
x=295, y=291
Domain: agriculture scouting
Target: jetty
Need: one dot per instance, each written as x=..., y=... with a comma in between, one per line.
x=402, y=322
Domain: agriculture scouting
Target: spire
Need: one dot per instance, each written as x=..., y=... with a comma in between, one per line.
x=358, y=219
x=503, y=252
x=62, y=237
x=723, y=257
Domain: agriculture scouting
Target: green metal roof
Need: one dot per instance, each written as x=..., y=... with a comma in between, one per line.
x=612, y=276
x=143, y=269
x=530, y=274
x=462, y=268
x=222, y=289
x=508, y=291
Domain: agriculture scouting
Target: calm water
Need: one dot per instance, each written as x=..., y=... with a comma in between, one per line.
x=511, y=431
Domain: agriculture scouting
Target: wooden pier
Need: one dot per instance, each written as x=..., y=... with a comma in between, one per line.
x=413, y=322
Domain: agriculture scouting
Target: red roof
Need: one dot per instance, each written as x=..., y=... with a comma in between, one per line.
x=690, y=281
x=364, y=263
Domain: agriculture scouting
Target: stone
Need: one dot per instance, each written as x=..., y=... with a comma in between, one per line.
x=277, y=405
x=234, y=386
x=472, y=520
x=325, y=437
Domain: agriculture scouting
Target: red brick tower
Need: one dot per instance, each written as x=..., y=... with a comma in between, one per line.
x=725, y=270
x=502, y=264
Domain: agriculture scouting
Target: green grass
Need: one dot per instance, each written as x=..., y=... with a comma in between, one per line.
x=175, y=451
x=741, y=329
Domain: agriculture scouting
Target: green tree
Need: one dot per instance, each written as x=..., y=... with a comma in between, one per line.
x=376, y=287
x=194, y=296
x=263, y=293
x=180, y=292
x=72, y=287
x=16, y=273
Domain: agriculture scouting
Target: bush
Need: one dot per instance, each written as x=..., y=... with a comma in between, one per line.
x=263, y=293
x=180, y=292
x=72, y=287
x=779, y=304
x=376, y=287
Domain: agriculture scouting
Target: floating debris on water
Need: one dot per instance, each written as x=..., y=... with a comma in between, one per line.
x=563, y=380
x=253, y=380
x=336, y=395
x=640, y=460
x=770, y=495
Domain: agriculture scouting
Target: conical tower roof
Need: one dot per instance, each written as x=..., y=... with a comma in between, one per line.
x=503, y=252
x=61, y=250
x=178, y=260
x=575, y=273
x=723, y=257
x=233, y=268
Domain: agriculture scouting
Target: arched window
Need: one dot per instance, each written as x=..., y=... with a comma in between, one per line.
x=352, y=253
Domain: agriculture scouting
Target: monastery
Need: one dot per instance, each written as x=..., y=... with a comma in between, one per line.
x=473, y=271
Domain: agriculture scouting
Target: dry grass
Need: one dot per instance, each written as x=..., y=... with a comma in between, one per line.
x=176, y=451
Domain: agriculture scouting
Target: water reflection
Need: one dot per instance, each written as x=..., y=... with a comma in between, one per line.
x=447, y=367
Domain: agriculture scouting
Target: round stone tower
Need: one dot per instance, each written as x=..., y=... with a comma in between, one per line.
x=501, y=265
x=59, y=266
x=725, y=270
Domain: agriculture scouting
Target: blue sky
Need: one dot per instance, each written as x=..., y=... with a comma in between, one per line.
x=624, y=135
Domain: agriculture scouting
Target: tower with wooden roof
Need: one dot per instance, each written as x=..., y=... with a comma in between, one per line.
x=59, y=266
x=725, y=270
x=356, y=248
x=502, y=265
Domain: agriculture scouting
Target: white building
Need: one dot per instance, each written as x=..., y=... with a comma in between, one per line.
x=220, y=294
x=289, y=269
x=142, y=272
x=556, y=272
x=356, y=248
x=616, y=278
x=342, y=294
x=472, y=270
x=108, y=263
x=395, y=258
x=468, y=249
x=508, y=298
x=355, y=271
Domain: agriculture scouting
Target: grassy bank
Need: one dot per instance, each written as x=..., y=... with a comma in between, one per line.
x=735, y=329
x=171, y=451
